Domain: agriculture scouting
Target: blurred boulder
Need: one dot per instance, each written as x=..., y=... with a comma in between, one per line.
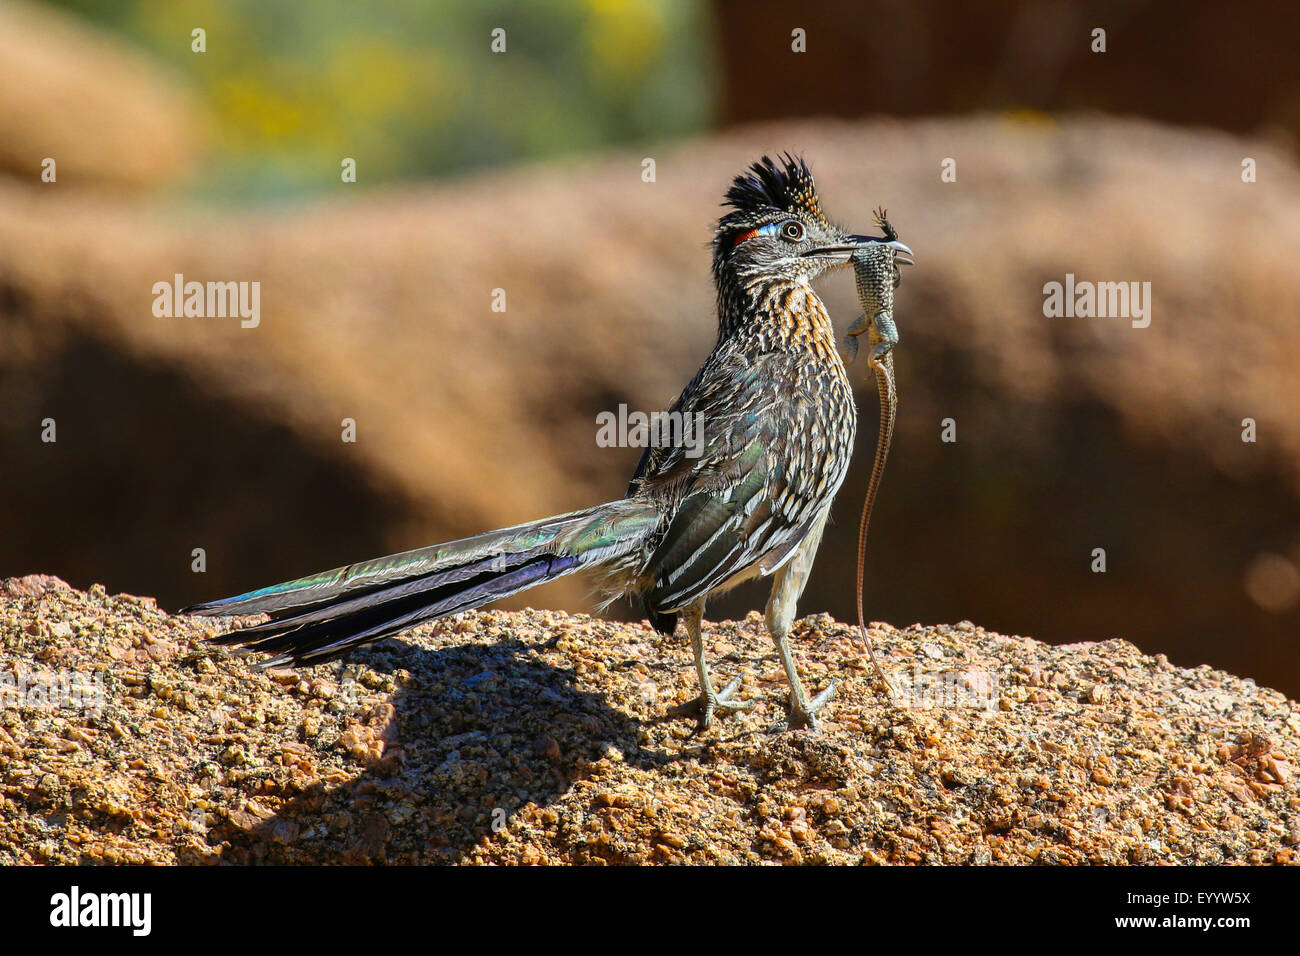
x=104, y=114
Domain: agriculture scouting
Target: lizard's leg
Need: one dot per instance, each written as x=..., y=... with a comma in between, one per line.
x=709, y=700
x=859, y=325
x=849, y=349
x=786, y=590
x=884, y=336
x=849, y=344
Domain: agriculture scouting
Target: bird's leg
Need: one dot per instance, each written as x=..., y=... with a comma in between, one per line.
x=781, y=605
x=709, y=700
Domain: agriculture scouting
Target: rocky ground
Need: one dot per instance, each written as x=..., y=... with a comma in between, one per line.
x=540, y=737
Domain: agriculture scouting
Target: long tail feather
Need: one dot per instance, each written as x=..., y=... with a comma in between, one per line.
x=322, y=616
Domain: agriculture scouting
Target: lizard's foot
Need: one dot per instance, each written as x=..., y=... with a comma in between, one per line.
x=848, y=349
x=805, y=717
x=704, y=706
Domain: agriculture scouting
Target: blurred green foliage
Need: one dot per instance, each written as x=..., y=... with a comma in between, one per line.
x=411, y=88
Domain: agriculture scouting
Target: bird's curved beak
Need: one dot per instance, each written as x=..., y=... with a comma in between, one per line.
x=843, y=251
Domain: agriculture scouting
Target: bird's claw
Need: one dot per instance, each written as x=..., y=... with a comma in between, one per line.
x=804, y=716
x=704, y=706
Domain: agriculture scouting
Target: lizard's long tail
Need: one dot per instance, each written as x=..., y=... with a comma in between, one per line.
x=323, y=616
x=885, y=437
x=876, y=272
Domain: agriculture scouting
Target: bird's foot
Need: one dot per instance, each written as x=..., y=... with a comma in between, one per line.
x=804, y=716
x=706, y=705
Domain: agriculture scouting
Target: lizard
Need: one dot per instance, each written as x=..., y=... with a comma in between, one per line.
x=876, y=275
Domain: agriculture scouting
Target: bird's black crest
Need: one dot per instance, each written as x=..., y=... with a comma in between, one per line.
x=767, y=184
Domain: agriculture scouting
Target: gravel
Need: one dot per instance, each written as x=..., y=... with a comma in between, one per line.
x=541, y=737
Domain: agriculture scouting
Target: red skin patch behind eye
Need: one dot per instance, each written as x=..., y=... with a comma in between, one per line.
x=742, y=236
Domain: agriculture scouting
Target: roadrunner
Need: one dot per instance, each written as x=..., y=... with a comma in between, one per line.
x=777, y=411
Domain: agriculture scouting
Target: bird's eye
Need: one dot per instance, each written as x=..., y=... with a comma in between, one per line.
x=792, y=230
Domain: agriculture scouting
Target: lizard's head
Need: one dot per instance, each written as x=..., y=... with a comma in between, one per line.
x=776, y=227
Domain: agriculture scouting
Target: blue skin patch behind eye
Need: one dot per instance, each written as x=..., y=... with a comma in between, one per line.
x=768, y=230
